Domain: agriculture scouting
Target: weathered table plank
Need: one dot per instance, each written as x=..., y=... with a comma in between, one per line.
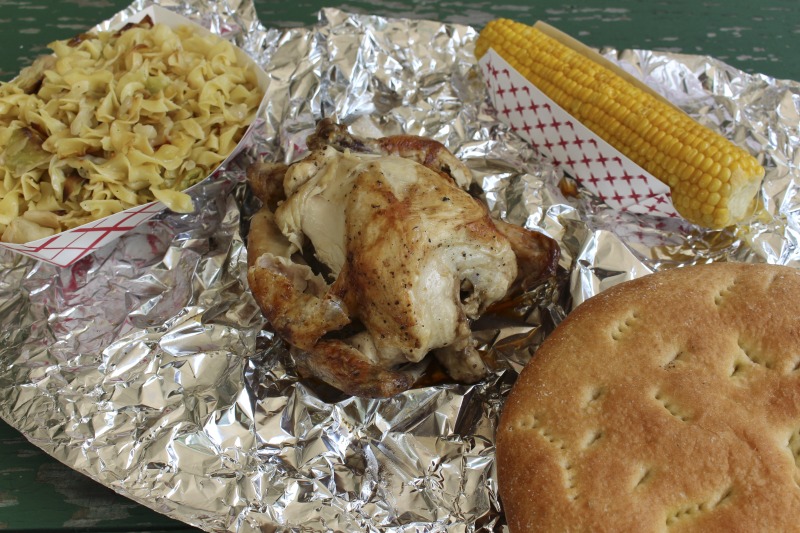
x=39, y=493
x=757, y=37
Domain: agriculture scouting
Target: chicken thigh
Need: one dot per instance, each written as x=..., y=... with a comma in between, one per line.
x=403, y=260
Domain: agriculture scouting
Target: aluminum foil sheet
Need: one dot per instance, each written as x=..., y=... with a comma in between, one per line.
x=146, y=367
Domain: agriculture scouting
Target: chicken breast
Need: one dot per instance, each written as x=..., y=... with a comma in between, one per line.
x=405, y=258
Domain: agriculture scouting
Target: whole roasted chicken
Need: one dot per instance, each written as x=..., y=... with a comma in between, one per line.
x=368, y=255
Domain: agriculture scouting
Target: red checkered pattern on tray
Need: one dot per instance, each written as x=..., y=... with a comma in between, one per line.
x=568, y=144
x=67, y=247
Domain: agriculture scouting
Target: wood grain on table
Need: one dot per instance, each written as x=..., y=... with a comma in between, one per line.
x=37, y=493
x=757, y=37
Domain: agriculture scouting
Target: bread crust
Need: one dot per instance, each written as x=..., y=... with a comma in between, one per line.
x=667, y=403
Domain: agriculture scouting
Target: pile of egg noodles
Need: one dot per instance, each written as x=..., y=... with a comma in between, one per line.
x=112, y=120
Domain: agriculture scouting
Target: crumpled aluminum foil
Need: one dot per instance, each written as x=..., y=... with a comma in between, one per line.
x=145, y=366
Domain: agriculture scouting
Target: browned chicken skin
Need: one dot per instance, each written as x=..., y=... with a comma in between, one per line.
x=410, y=260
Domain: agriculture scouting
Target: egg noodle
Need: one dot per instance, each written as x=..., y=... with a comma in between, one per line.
x=113, y=120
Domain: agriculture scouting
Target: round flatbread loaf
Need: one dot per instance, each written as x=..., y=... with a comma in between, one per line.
x=668, y=403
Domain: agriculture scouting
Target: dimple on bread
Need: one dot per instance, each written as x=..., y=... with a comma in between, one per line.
x=667, y=403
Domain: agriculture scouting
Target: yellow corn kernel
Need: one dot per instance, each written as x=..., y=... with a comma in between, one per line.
x=713, y=182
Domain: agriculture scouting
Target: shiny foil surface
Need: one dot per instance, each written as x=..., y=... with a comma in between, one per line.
x=145, y=365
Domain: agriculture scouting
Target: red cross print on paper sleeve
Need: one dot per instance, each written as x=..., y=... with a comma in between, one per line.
x=571, y=146
x=65, y=248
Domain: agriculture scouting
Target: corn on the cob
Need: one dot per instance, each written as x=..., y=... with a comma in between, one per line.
x=713, y=182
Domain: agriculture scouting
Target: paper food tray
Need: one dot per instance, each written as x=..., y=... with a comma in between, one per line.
x=567, y=143
x=67, y=247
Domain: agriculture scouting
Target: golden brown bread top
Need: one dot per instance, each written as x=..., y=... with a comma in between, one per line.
x=668, y=403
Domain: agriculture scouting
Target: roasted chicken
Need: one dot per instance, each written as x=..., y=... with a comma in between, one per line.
x=371, y=255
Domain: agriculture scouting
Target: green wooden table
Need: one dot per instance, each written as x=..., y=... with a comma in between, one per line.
x=37, y=493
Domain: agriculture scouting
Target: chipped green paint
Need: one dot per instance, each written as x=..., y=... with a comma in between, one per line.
x=39, y=493
x=757, y=37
